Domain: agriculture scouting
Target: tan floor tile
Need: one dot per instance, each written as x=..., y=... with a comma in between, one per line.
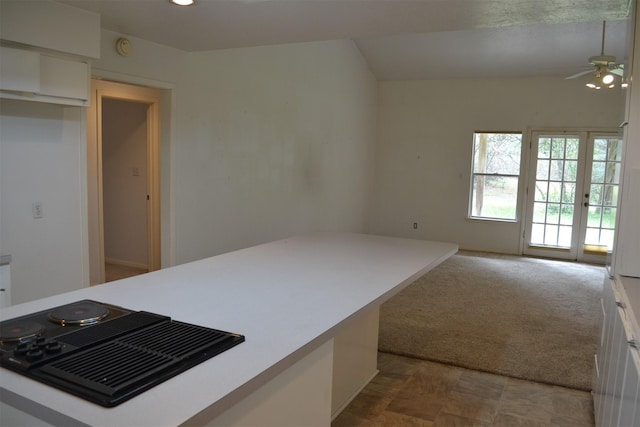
x=573, y=405
x=480, y=384
x=570, y=422
x=399, y=365
x=508, y=420
x=369, y=404
x=388, y=384
x=527, y=399
x=410, y=392
x=473, y=407
x=431, y=379
x=348, y=419
x=449, y=420
x=526, y=410
x=394, y=419
x=426, y=407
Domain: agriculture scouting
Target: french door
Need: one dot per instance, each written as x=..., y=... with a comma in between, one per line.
x=572, y=195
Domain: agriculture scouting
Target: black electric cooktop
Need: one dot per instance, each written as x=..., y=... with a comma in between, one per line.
x=104, y=353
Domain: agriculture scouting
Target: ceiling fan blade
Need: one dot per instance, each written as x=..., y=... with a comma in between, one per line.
x=581, y=73
x=619, y=70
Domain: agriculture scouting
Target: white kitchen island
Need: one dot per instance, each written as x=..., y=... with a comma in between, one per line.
x=307, y=305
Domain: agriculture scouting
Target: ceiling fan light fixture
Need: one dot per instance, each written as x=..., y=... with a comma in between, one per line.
x=608, y=79
x=593, y=83
x=183, y=2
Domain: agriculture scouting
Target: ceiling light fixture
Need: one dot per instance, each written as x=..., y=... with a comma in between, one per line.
x=607, y=79
x=183, y=2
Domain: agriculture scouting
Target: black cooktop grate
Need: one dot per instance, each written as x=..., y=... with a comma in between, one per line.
x=109, y=368
x=175, y=339
x=124, y=366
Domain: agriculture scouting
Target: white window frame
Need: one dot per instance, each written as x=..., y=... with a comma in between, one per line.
x=474, y=174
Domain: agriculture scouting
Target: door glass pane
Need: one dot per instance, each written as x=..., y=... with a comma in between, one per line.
x=544, y=148
x=556, y=170
x=594, y=216
x=555, y=191
x=566, y=217
x=573, y=145
x=557, y=148
x=600, y=149
x=597, y=171
x=539, y=212
x=595, y=196
x=541, y=191
x=564, y=236
x=551, y=235
x=542, y=169
x=604, y=186
x=570, y=170
x=553, y=213
x=537, y=234
x=610, y=195
x=568, y=192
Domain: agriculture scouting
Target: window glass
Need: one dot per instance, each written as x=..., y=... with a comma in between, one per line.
x=495, y=175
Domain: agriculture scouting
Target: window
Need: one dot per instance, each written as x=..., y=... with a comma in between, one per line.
x=495, y=175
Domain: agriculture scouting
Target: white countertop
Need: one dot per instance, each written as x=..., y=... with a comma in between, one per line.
x=286, y=297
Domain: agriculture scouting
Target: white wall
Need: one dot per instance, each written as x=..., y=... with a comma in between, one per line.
x=257, y=144
x=270, y=142
x=263, y=142
x=424, y=150
x=42, y=160
x=124, y=147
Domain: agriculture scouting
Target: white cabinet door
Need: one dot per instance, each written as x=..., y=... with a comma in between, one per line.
x=615, y=374
x=599, y=373
x=19, y=70
x=602, y=402
x=33, y=76
x=64, y=79
x=630, y=400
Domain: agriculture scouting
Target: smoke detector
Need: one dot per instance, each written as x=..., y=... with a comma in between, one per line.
x=123, y=47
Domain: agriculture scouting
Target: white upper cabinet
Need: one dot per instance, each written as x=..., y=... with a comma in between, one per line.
x=19, y=70
x=34, y=76
x=45, y=51
x=50, y=25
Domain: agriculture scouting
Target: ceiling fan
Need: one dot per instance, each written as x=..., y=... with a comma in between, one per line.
x=603, y=67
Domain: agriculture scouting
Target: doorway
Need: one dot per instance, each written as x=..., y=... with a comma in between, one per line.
x=123, y=170
x=572, y=195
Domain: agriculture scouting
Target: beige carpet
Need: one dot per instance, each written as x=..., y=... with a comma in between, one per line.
x=521, y=317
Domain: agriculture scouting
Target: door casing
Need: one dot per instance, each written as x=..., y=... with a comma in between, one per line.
x=151, y=97
x=579, y=222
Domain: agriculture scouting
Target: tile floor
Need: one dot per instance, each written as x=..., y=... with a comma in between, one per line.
x=411, y=392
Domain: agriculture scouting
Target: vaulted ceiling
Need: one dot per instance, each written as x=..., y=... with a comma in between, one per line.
x=400, y=39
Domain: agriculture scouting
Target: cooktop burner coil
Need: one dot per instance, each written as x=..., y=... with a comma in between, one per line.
x=80, y=313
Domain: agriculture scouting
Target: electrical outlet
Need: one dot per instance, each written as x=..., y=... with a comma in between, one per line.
x=136, y=171
x=36, y=209
x=415, y=225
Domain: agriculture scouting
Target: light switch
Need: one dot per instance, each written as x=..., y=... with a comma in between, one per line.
x=36, y=209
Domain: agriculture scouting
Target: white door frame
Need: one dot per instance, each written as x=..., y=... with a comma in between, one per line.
x=578, y=234
x=151, y=97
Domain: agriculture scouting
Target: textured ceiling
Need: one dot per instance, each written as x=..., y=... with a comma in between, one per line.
x=399, y=39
